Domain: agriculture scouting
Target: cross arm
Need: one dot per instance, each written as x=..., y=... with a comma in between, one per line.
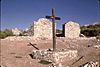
x=50, y=17
x=57, y=18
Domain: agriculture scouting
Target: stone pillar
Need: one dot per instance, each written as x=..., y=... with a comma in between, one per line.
x=71, y=29
x=43, y=28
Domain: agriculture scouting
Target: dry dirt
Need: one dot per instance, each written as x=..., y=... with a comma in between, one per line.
x=16, y=53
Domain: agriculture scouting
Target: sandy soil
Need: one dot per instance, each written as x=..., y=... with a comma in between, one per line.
x=16, y=53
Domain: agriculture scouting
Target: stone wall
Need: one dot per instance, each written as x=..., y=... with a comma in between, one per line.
x=43, y=28
x=71, y=29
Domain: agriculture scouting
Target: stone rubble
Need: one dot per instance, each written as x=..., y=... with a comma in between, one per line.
x=22, y=38
x=19, y=38
x=97, y=46
x=91, y=64
x=60, y=56
x=57, y=58
x=16, y=31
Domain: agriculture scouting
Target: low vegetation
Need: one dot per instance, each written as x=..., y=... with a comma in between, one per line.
x=91, y=30
x=5, y=33
x=58, y=31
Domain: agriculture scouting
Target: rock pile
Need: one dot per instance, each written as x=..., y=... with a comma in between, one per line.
x=91, y=64
x=57, y=57
x=19, y=38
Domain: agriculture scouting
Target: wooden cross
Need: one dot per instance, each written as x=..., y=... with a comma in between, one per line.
x=53, y=17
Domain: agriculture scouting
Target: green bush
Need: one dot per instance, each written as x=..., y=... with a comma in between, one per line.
x=91, y=30
x=58, y=31
x=5, y=33
x=2, y=35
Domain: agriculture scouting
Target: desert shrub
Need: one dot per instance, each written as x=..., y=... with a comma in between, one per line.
x=8, y=32
x=91, y=30
x=2, y=35
x=58, y=31
x=5, y=33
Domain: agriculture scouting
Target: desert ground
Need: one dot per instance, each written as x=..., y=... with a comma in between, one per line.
x=16, y=53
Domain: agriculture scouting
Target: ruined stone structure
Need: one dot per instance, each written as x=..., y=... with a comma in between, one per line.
x=16, y=31
x=43, y=28
x=71, y=29
x=58, y=57
x=30, y=31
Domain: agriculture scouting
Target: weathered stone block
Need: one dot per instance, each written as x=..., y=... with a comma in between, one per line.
x=43, y=28
x=62, y=56
x=71, y=29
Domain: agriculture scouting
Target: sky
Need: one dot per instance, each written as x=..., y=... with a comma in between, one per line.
x=21, y=13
